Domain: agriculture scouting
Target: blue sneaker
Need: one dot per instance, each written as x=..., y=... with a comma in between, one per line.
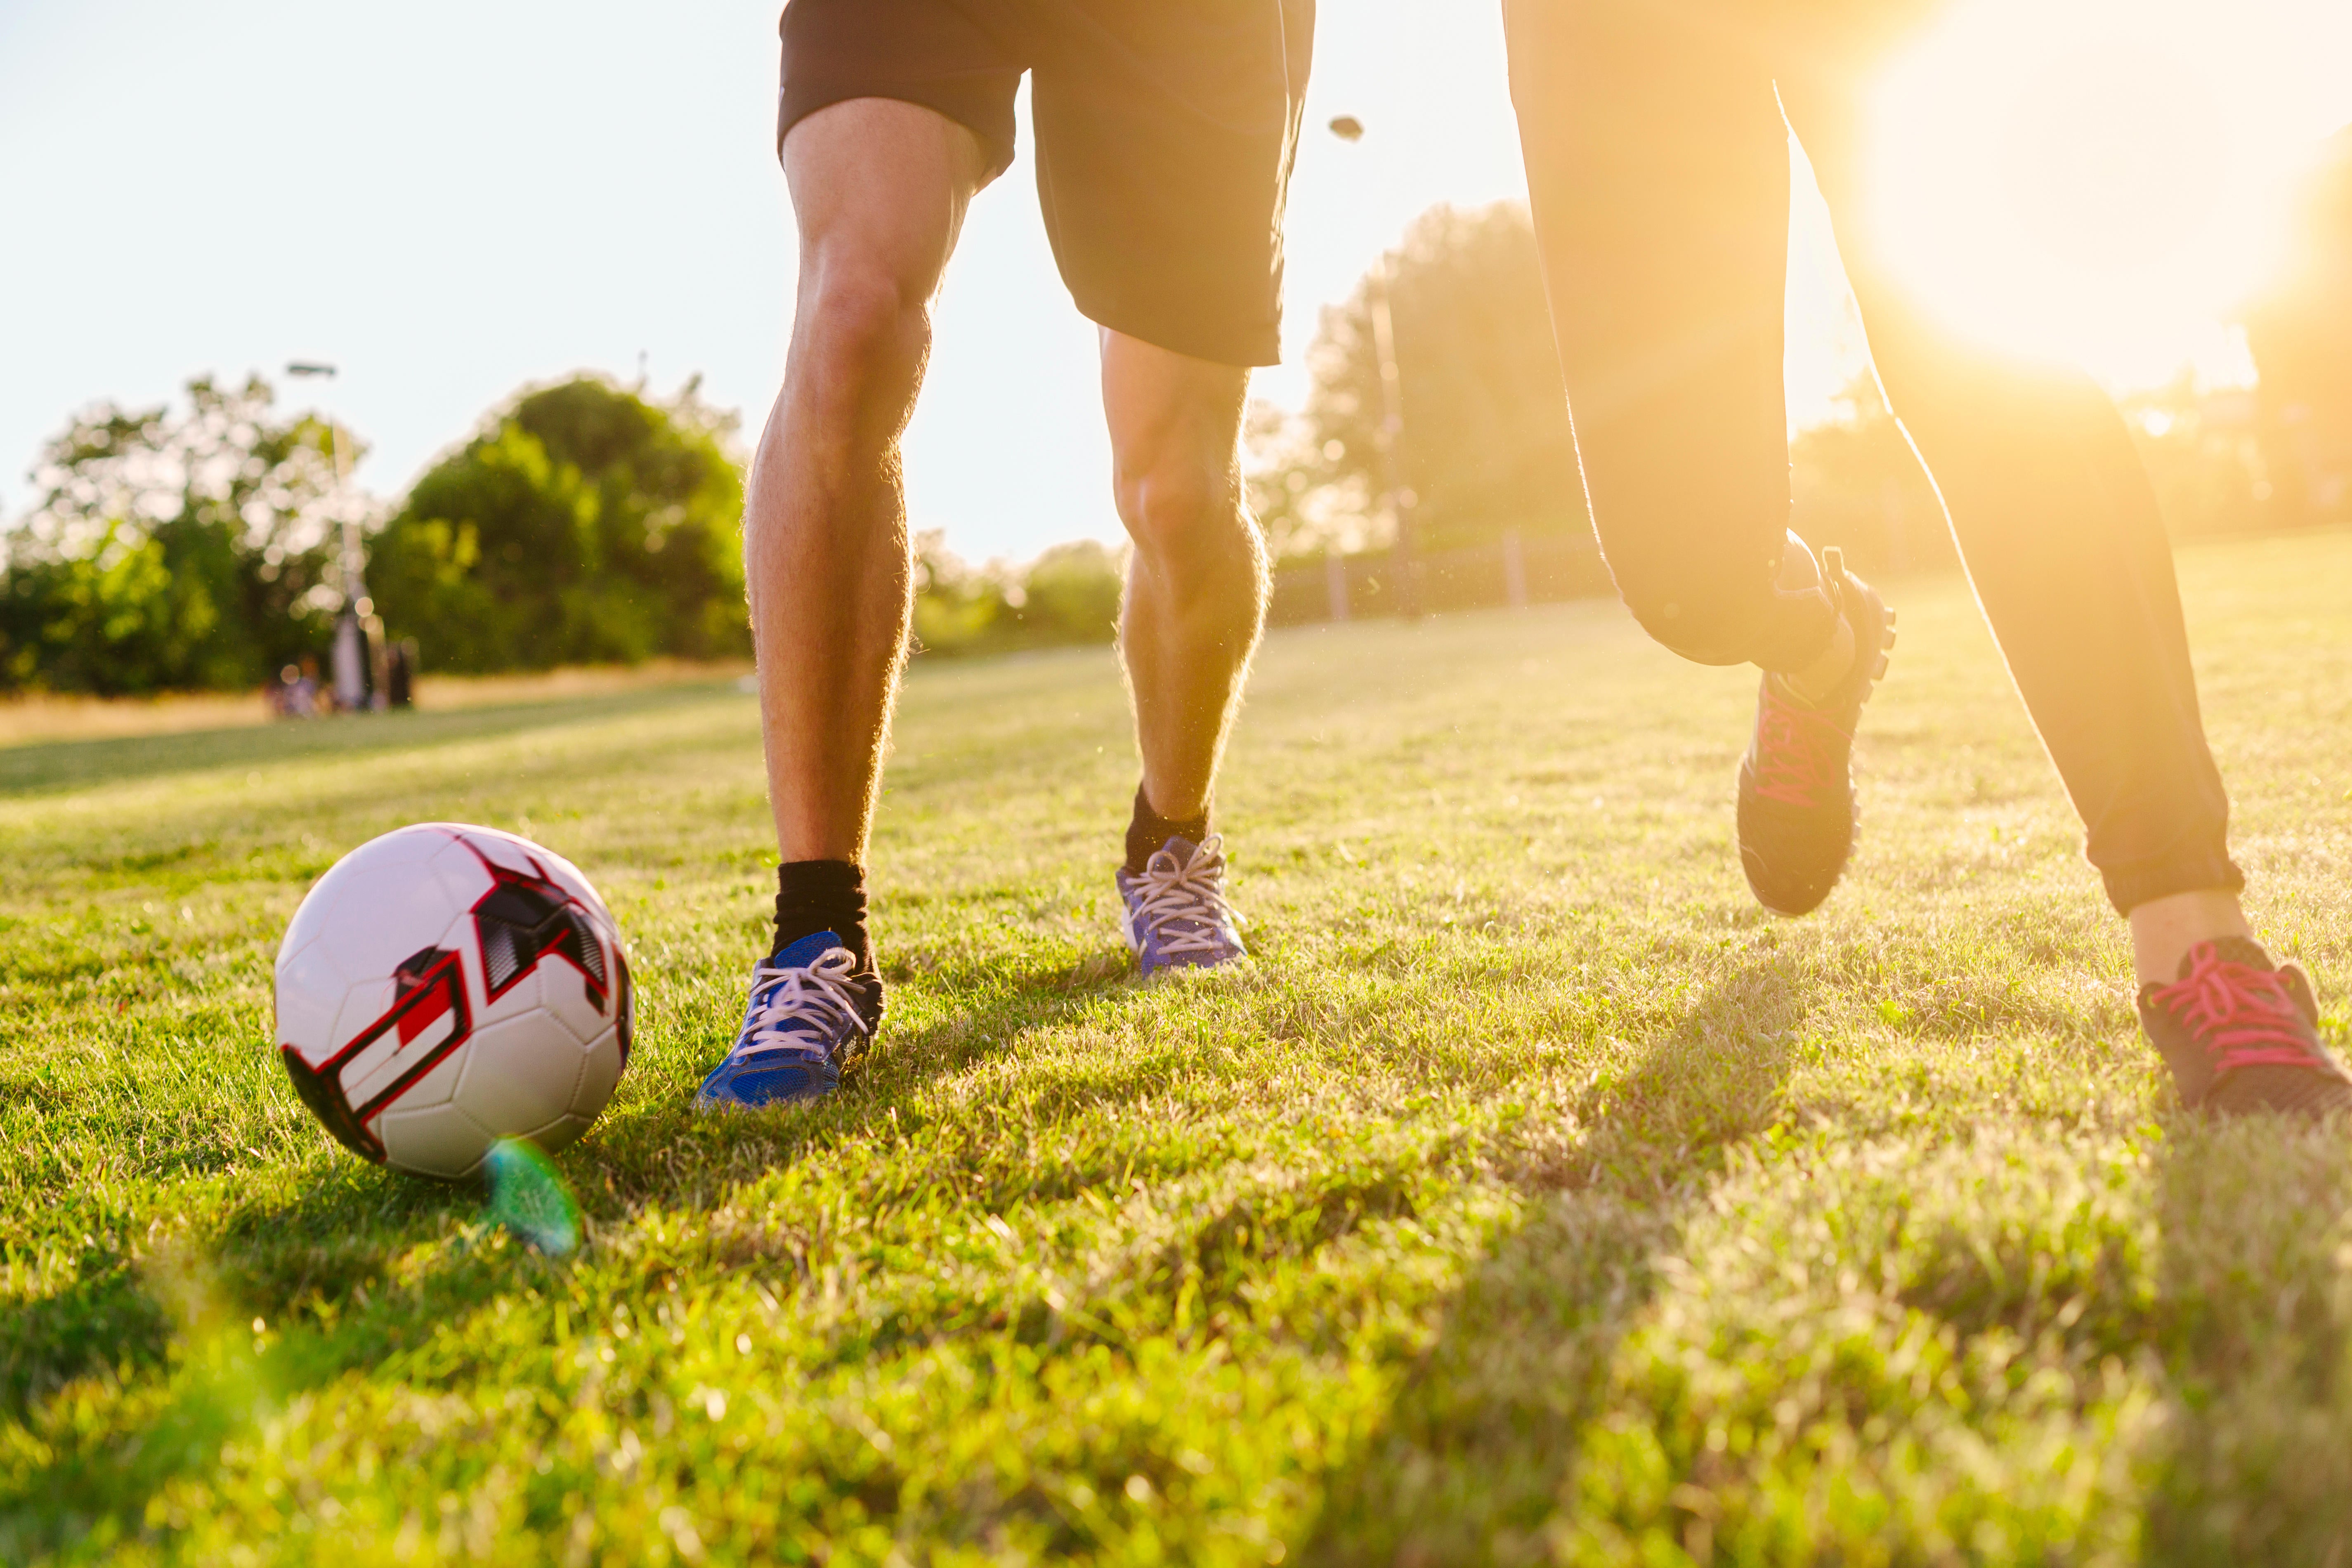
x=1177, y=917
x=810, y=1013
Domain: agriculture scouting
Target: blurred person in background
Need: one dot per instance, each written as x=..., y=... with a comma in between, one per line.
x=1165, y=134
x=295, y=693
x=1655, y=134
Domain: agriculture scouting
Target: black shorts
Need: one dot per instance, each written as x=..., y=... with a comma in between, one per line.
x=1165, y=132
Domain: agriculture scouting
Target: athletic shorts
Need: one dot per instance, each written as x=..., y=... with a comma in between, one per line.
x=1165, y=133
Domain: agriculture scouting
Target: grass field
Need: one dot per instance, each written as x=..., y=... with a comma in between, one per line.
x=27, y=719
x=1532, y=1196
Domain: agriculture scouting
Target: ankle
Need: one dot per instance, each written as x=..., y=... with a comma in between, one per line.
x=823, y=895
x=2164, y=929
x=1148, y=832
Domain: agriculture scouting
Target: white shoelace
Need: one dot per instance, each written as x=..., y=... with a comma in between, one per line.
x=1193, y=891
x=817, y=994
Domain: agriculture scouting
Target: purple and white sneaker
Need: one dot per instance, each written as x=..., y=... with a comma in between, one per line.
x=1177, y=916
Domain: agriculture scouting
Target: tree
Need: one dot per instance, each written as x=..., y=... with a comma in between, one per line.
x=1855, y=482
x=172, y=551
x=2300, y=333
x=1070, y=594
x=584, y=524
x=1486, y=444
x=2202, y=450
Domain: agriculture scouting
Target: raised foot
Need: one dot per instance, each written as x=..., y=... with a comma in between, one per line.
x=1796, y=802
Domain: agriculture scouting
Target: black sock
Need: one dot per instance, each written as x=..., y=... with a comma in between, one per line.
x=1148, y=832
x=823, y=895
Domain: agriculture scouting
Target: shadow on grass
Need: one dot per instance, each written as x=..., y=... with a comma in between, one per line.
x=339, y=1235
x=662, y=1151
x=2254, y=1460
x=104, y=1318
x=362, y=1267
x=71, y=764
x=325, y=1269
x=318, y=1271
x=1479, y=1452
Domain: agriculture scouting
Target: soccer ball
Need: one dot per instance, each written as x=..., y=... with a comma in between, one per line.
x=446, y=986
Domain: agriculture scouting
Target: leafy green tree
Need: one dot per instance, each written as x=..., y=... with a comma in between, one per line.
x=1486, y=445
x=585, y=524
x=957, y=608
x=1070, y=594
x=171, y=550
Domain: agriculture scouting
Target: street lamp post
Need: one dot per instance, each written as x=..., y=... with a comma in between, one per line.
x=349, y=657
x=1397, y=496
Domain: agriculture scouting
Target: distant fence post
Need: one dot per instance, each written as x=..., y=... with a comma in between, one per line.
x=1334, y=583
x=1515, y=571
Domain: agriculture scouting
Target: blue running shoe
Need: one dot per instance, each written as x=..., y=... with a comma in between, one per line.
x=1177, y=917
x=810, y=1015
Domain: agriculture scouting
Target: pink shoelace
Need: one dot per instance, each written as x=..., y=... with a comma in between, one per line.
x=1793, y=765
x=2243, y=1015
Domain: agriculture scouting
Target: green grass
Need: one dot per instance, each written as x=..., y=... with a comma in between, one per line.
x=1533, y=1197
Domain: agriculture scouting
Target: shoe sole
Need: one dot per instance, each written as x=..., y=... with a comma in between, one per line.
x=1163, y=971
x=848, y=1057
x=712, y=1105
x=1143, y=976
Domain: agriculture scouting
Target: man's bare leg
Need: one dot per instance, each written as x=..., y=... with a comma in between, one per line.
x=880, y=188
x=1196, y=585
x=1196, y=591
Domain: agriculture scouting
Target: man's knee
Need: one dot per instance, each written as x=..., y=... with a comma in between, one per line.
x=1178, y=509
x=859, y=329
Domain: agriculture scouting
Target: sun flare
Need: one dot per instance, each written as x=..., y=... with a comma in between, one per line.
x=2103, y=180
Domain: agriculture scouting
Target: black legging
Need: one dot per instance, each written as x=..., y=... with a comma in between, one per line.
x=1657, y=164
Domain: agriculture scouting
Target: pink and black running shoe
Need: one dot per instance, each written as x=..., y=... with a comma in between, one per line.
x=1796, y=783
x=2241, y=1034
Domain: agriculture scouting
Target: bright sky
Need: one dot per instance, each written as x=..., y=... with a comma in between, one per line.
x=2101, y=179
x=450, y=199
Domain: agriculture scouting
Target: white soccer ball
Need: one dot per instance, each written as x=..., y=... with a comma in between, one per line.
x=445, y=986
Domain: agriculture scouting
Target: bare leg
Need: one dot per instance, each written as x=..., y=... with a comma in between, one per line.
x=880, y=188
x=1196, y=585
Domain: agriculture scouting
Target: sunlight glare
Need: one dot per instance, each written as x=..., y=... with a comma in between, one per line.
x=2100, y=180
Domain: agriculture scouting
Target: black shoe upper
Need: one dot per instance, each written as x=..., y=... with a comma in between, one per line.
x=2241, y=1034
x=1796, y=803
